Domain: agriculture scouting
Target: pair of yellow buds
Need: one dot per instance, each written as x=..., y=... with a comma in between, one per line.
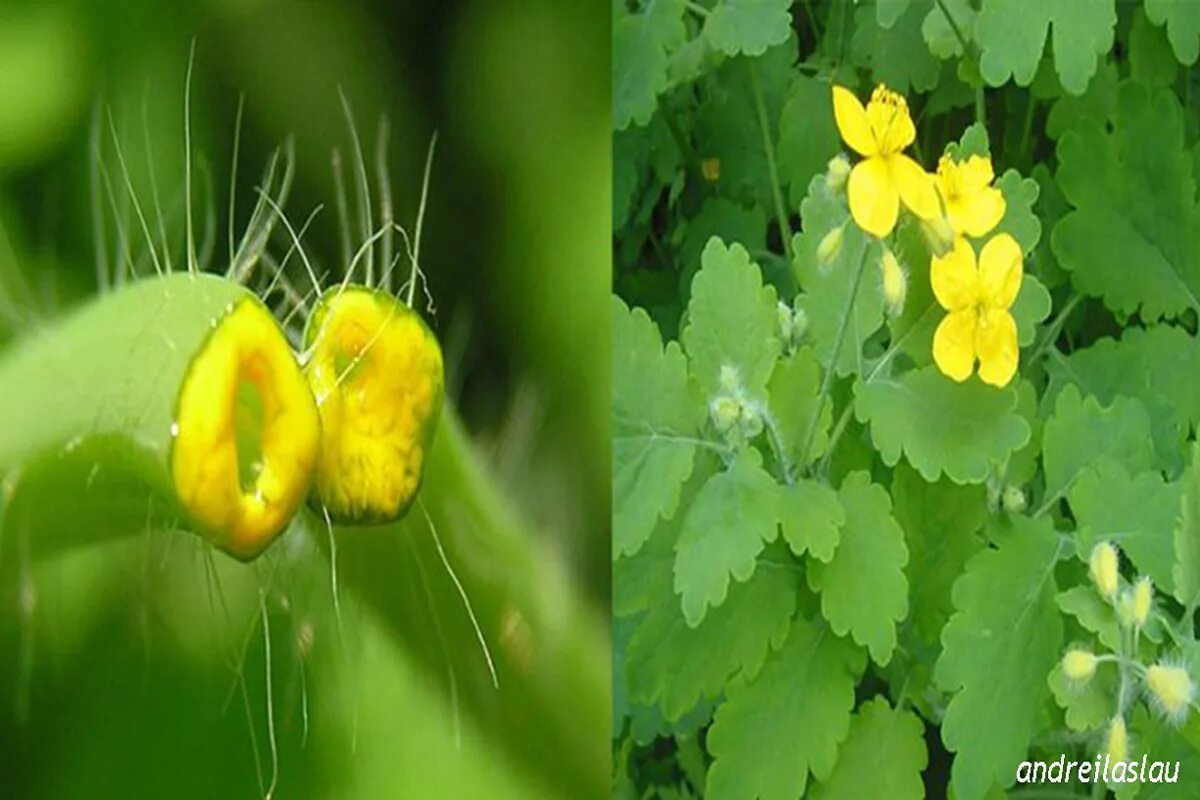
x=254, y=432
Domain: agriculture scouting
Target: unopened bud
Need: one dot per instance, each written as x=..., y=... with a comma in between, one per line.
x=784, y=320
x=729, y=379
x=799, y=325
x=830, y=245
x=837, y=173
x=1116, y=743
x=894, y=282
x=751, y=421
x=1125, y=609
x=1103, y=568
x=1079, y=665
x=1143, y=598
x=1172, y=690
x=938, y=234
x=725, y=411
x=1013, y=499
x=710, y=168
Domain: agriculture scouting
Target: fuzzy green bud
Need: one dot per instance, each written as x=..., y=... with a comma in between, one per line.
x=1116, y=742
x=1079, y=665
x=837, y=173
x=894, y=281
x=1171, y=689
x=1013, y=499
x=729, y=379
x=830, y=245
x=751, y=421
x=725, y=412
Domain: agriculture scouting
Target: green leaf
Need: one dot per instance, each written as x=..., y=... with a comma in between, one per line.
x=732, y=517
x=1150, y=59
x=1088, y=706
x=724, y=218
x=788, y=721
x=1030, y=308
x=808, y=135
x=748, y=26
x=1136, y=512
x=1012, y=36
x=895, y=55
x=1093, y=613
x=732, y=320
x=640, y=581
x=1081, y=432
x=793, y=392
x=1159, y=366
x=641, y=43
x=1187, y=537
x=941, y=523
x=998, y=648
x=676, y=665
x=1183, y=26
x=1019, y=220
x=863, y=588
x=942, y=427
x=888, y=11
x=882, y=757
x=811, y=517
x=939, y=33
x=1134, y=201
x=654, y=427
x=827, y=287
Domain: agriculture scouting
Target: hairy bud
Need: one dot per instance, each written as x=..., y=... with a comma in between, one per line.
x=1102, y=566
x=1171, y=689
x=1079, y=665
x=837, y=173
x=894, y=282
x=830, y=245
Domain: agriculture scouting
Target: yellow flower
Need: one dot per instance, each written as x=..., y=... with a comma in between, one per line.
x=979, y=325
x=972, y=205
x=885, y=176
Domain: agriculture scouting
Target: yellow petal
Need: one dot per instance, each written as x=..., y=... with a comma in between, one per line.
x=954, y=279
x=954, y=345
x=976, y=172
x=852, y=122
x=890, y=122
x=874, y=203
x=978, y=213
x=996, y=344
x=916, y=186
x=1000, y=271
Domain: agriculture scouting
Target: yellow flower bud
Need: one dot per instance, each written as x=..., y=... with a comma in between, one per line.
x=828, y=249
x=1171, y=689
x=895, y=283
x=1079, y=665
x=837, y=173
x=710, y=168
x=1143, y=598
x=1116, y=743
x=1103, y=569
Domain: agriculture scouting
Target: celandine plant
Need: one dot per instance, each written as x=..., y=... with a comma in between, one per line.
x=904, y=351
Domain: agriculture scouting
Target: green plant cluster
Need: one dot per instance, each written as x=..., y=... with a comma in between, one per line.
x=838, y=572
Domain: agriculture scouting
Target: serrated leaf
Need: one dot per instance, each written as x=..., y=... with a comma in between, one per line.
x=941, y=523
x=1087, y=706
x=941, y=427
x=882, y=757
x=998, y=648
x=939, y=33
x=808, y=136
x=895, y=55
x=732, y=320
x=654, y=427
x=676, y=665
x=729, y=522
x=724, y=218
x=1012, y=35
x=1186, y=571
x=641, y=42
x=1159, y=366
x=793, y=392
x=1183, y=26
x=863, y=588
x=748, y=26
x=811, y=517
x=788, y=721
x=1081, y=431
x=1135, y=512
x=1093, y=613
x=1019, y=220
x=827, y=287
x=1150, y=59
x=1134, y=201
x=1030, y=308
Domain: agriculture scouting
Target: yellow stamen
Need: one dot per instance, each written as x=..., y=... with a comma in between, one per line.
x=376, y=372
x=246, y=433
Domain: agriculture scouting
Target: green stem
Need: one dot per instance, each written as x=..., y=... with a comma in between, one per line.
x=811, y=19
x=785, y=229
x=827, y=381
x=968, y=53
x=1027, y=129
x=1055, y=328
x=690, y=158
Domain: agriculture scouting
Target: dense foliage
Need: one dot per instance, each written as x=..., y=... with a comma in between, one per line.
x=902, y=500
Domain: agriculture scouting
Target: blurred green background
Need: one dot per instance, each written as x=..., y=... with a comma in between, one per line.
x=118, y=668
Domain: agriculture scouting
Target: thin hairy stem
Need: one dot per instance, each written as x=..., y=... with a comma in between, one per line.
x=416, y=255
x=233, y=170
x=364, y=189
x=385, y=201
x=187, y=158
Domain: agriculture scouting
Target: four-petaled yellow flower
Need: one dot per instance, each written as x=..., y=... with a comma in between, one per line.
x=979, y=325
x=885, y=177
x=972, y=205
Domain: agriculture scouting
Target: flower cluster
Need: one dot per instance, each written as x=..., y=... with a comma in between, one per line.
x=956, y=204
x=1167, y=684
